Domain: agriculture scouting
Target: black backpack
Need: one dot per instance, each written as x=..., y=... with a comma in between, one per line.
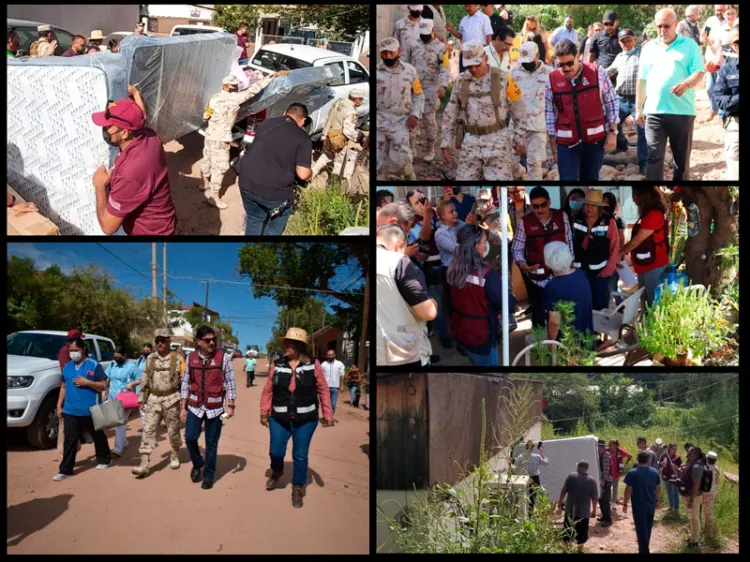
x=707, y=479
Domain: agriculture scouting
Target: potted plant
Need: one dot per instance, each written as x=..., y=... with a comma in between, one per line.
x=574, y=350
x=684, y=327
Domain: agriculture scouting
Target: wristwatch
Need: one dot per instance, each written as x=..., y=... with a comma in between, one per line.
x=613, y=131
x=231, y=406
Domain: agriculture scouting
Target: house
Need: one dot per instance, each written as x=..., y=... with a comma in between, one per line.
x=184, y=333
x=342, y=342
x=163, y=17
x=428, y=432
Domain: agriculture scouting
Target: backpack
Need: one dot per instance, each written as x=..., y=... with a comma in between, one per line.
x=34, y=49
x=707, y=479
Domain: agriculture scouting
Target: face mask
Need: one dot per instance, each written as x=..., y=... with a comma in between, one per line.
x=146, y=353
x=108, y=139
x=415, y=14
x=426, y=38
x=576, y=205
x=486, y=250
x=390, y=62
x=530, y=66
x=120, y=361
x=76, y=356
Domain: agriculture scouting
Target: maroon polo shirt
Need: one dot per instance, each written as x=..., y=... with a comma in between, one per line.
x=63, y=356
x=242, y=41
x=139, y=188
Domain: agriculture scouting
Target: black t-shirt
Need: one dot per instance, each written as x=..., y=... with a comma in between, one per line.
x=605, y=47
x=497, y=22
x=268, y=167
x=410, y=282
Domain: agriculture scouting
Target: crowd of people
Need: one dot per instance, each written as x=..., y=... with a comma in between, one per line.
x=197, y=391
x=568, y=108
x=439, y=266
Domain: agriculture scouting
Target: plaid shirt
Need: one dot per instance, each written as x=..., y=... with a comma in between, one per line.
x=605, y=467
x=606, y=93
x=627, y=72
x=519, y=243
x=229, y=387
x=445, y=239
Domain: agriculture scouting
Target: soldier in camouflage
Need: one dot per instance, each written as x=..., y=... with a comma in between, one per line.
x=339, y=130
x=400, y=102
x=221, y=114
x=531, y=76
x=406, y=30
x=159, y=390
x=428, y=56
x=487, y=147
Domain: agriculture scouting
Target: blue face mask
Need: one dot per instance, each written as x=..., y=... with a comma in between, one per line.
x=486, y=250
x=576, y=205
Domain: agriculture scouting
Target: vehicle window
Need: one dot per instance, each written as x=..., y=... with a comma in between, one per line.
x=291, y=63
x=268, y=60
x=106, y=349
x=357, y=73
x=26, y=36
x=35, y=345
x=64, y=41
x=90, y=348
x=189, y=31
x=338, y=73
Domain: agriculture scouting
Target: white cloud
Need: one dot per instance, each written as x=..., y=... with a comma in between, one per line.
x=43, y=258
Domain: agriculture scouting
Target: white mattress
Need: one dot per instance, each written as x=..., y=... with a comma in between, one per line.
x=563, y=456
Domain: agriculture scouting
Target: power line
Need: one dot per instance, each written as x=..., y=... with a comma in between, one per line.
x=122, y=261
x=249, y=285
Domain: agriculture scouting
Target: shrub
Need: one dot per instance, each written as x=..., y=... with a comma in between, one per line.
x=326, y=212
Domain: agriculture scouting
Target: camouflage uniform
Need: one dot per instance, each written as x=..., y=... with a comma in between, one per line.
x=160, y=392
x=341, y=117
x=486, y=156
x=406, y=33
x=533, y=85
x=399, y=95
x=221, y=113
x=433, y=69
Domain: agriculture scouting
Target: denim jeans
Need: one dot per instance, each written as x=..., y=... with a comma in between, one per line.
x=673, y=495
x=257, y=209
x=301, y=434
x=582, y=162
x=353, y=392
x=627, y=107
x=488, y=360
x=650, y=280
x=193, y=432
x=710, y=85
x=334, y=397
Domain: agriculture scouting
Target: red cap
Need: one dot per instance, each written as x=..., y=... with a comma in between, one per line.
x=122, y=113
x=74, y=334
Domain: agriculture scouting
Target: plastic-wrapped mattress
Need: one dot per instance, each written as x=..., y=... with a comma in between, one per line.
x=563, y=456
x=53, y=147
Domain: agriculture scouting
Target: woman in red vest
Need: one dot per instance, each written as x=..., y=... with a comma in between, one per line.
x=648, y=246
x=295, y=390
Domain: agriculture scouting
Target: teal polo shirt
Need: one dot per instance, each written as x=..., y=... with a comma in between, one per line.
x=665, y=66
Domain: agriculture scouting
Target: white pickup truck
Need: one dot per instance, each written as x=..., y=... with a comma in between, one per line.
x=34, y=380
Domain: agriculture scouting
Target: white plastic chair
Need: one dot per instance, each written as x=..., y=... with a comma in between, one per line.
x=526, y=351
x=610, y=320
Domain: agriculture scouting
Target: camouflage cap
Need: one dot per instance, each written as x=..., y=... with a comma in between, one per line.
x=389, y=44
x=473, y=53
x=162, y=333
x=425, y=26
x=528, y=52
x=356, y=94
x=230, y=80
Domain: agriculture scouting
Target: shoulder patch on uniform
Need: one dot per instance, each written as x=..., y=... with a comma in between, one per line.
x=513, y=92
x=446, y=60
x=417, y=86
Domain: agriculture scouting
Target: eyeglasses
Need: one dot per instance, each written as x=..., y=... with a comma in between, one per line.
x=108, y=115
x=665, y=26
x=567, y=64
x=607, y=24
x=508, y=44
x=160, y=340
x=540, y=206
x=209, y=340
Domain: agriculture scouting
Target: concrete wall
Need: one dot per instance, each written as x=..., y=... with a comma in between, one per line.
x=80, y=19
x=386, y=16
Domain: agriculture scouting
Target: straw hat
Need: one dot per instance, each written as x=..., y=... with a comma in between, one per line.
x=595, y=197
x=297, y=334
x=96, y=34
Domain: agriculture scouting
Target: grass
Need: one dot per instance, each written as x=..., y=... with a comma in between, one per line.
x=326, y=212
x=727, y=505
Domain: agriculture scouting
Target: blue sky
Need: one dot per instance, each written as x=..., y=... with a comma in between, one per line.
x=252, y=319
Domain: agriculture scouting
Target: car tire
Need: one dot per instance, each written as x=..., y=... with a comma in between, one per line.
x=42, y=433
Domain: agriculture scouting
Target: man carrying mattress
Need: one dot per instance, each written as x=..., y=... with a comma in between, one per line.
x=139, y=197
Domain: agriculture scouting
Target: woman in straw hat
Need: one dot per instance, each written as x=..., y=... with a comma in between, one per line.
x=289, y=403
x=596, y=242
x=95, y=41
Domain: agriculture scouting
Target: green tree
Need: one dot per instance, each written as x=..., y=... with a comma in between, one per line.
x=230, y=16
x=310, y=316
x=339, y=21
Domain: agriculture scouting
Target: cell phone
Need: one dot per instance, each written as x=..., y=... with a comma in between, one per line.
x=422, y=199
x=707, y=29
x=539, y=446
x=456, y=190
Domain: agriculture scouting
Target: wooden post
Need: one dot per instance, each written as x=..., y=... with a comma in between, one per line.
x=363, y=337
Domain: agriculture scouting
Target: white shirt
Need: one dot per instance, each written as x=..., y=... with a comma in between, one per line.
x=475, y=28
x=333, y=372
x=494, y=59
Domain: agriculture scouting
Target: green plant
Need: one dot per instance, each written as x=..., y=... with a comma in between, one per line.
x=689, y=320
x=326, y=212
x=576, y=348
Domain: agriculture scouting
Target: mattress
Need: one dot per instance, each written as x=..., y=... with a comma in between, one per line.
x=53, y=147
x=563, y=456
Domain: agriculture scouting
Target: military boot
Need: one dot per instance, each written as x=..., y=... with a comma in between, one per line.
x=320, y=165
x=430, y=155
x=142, y=470
x=297, y=494
x=174, y=459
x=212, y=198
x=204, y=185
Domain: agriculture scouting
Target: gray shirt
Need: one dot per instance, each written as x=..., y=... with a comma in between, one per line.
x=530, y=463
x=581, y=489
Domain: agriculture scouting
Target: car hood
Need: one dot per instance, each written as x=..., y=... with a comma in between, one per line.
x=22, y=365
x=309, y=86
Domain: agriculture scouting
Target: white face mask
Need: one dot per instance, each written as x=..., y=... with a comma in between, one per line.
x=76, y=356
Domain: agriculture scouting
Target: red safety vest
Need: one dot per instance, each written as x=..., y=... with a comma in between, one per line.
x=471, y=311
x=645, y=253
x=206, y=383
x=580, y=114
x=537, y=237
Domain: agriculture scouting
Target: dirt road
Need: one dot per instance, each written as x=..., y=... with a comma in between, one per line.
x=97, y=512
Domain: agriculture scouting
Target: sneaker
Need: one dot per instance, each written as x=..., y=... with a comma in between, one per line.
x=60, y=477
x=606, y=523
x=430, y=156
x=102, y=466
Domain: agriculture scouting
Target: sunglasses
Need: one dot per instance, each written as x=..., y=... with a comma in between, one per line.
x=160, y=340
x=540, y=206
x=568, y=64
x=209, y=340
x=108, y=115
x=607, y=24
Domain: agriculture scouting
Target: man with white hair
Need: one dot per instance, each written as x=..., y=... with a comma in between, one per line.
x=406, y=30
x=665, y=96
x=403, y=305
x=568, y=284
x=250, y=362
x=689, y=26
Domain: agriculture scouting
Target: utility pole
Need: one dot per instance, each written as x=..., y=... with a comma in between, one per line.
x=312, y=330
x=363, y=338
x=205, y=312
x=153, y=271
x=164, y=288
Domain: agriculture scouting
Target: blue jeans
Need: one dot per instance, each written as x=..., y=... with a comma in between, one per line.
x=710, y=85
x=353, y=392
x=627, y=107
x=599, y=289
x=257, y=210
x=242, y=62
x=650, y=280
x=643, y=517
x=334, y=397
x=213, y=432
x=301, y=434
x=488, y=360
x=582, y=162
x=673, y=495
